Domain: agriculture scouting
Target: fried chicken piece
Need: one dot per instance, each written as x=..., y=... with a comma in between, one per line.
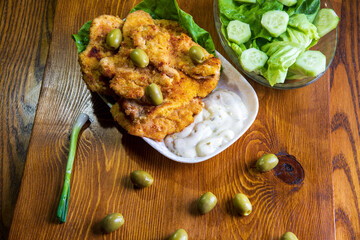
x=95, y=51
x=129, y=81
x=157, y=128
x=175, y=96
x=167, y=46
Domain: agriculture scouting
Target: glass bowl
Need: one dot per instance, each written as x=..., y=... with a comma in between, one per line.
x=327, y=45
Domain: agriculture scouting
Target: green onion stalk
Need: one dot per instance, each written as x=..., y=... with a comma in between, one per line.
x=64, y=199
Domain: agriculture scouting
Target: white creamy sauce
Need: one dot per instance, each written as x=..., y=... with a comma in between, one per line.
x=218, y=123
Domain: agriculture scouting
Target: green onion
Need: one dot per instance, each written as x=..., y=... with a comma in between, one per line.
x=64, y=199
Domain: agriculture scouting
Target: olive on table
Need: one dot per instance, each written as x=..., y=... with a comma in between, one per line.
x=141, y=178
x=114, y=38
x=139, y=58
x=197, y=54
x=242, y=204
x=288, y=236
x=179, y=234
x=153, y=91
x=206, y=202
x=267, y=162
x=112, y=222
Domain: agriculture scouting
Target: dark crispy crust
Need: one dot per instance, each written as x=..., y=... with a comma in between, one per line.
x=182, y=83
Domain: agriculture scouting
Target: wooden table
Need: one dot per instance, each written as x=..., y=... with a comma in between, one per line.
x=39, y=73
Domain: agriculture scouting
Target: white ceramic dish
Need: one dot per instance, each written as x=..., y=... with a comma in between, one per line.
x=232, y=80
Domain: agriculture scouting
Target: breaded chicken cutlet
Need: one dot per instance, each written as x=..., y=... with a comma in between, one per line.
x=96, y=50
x=182, y=82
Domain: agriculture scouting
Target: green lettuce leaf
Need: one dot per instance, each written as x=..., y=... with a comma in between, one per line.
x=82, y=38
x=238, y=48
x=296, y=36
x=301, y=22
x=308, y=7
x=300, y=31
x=281, y=56
x=165, y=9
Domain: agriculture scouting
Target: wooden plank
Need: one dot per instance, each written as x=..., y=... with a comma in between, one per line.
x=297, y=122
x=25, y=30
x=345, y=128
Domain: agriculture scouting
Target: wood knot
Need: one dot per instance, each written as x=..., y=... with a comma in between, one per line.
x=289, y=170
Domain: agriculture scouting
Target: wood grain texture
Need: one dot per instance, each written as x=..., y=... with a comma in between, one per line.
x=25, y=30
x=345, y=122
x=297, y=122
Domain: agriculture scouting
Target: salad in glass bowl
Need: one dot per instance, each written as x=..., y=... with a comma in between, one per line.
x=282, y=44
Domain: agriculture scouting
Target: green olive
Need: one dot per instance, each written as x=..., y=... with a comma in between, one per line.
x=114, y=38
x=153, y=91
x=141, y=178
x=267, y=162
x=197, y=54
x=112, y=222
x=288, y=236
x=139, y=58
x=179, y=234
x=206, y=202
x=242, y=204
